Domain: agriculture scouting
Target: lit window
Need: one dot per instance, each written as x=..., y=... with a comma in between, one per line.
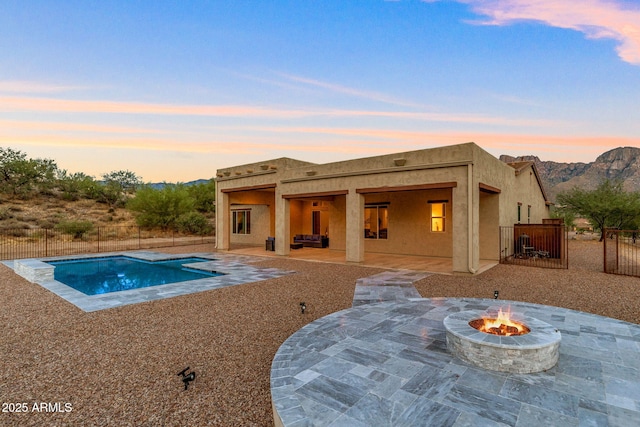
x=376, y=221
x=241, y=222
x=438, y=215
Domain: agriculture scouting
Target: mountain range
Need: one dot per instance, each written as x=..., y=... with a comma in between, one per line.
x=621, y=163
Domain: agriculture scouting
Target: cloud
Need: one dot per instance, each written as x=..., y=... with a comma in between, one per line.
x=23, y=86
x=51, y=105
x=336, y=88
x=21, y=126
x=597, y=19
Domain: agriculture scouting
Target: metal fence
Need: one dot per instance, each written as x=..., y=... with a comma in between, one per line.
x=43, y=242
x=535, y=245
x=621, y=253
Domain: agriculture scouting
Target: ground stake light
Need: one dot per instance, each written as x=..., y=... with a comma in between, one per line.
x=187, y=378
x=495, y=294
x=303, y=307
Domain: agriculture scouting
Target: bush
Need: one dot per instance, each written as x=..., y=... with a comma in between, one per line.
x=13, y=223
x=193, y=222
x=76, y=228
x=5, y=213
x=160, y=208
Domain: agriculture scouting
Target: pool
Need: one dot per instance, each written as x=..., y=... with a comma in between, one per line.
x=94, y=276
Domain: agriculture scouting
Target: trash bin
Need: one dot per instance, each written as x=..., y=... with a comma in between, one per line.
x=270, y=244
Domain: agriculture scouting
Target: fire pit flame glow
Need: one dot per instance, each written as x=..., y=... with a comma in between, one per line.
x=501, y=325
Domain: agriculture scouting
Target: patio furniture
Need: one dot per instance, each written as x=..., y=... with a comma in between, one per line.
x=312, y=240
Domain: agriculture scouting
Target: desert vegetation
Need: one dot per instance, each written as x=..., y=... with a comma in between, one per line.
x=36, y=194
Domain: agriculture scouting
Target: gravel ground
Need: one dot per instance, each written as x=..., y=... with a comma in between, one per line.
x=119, y=366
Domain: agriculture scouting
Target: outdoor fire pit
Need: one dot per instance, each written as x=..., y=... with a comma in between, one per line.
x=499, y=341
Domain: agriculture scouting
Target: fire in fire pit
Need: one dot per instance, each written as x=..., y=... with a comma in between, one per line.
x=500, y=325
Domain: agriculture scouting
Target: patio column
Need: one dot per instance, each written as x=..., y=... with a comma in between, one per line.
x=283, y=225
x=355, y=233
x=223, y=221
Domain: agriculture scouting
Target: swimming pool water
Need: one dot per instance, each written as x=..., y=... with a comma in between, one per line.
x=93, y=276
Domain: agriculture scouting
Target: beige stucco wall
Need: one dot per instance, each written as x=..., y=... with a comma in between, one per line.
x=260, y=225
x=489, y=216
x=409, y=231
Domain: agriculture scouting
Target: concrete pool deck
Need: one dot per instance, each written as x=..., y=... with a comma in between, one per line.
x=236, y=269
x=387, y=364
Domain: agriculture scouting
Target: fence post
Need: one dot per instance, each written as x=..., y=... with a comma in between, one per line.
x=604, y=252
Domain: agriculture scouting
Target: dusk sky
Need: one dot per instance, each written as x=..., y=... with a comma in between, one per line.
x=173, y=90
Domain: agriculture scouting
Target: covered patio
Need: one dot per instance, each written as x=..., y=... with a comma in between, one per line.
x=378, y=260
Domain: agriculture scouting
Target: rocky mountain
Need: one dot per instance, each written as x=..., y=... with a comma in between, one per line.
x=621, y=163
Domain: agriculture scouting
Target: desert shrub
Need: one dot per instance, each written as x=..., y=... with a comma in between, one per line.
x=75, y=228
x=160, y=208
x=5, y=213
x=16, y=232
x=13, y=223
x=14, y=228
x=46, y=223
x=193, y=222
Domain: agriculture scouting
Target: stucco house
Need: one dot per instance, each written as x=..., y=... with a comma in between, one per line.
x=443, y=202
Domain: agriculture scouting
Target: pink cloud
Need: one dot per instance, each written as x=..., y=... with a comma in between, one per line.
x=597, y=19
x=82, y=106
x=14, y=125
x=336, y=143
x=14, y=104
x=23, y=86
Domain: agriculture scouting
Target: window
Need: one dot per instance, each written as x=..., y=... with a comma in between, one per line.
x=438, y=215
x=376, y=221
x=241, y=222
x=519, y=211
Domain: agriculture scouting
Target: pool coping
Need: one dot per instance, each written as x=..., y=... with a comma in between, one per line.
x=235, y=269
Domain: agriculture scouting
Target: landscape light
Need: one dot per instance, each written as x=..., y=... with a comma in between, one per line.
x=187, y=378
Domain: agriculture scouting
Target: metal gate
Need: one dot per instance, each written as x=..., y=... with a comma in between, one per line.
x=621, y=252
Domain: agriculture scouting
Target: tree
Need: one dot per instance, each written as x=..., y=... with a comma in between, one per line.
x=20, y=176
x=125, y=180
x=76, y=185
x=606, y=206
x=117, y=185
x=204, y=196
x=160, y=208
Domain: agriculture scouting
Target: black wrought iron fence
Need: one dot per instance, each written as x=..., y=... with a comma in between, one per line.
x=535, y=245
x=42, y=242
x=621, y=252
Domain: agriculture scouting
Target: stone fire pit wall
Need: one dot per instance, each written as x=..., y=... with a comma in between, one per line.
x=533, y=352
